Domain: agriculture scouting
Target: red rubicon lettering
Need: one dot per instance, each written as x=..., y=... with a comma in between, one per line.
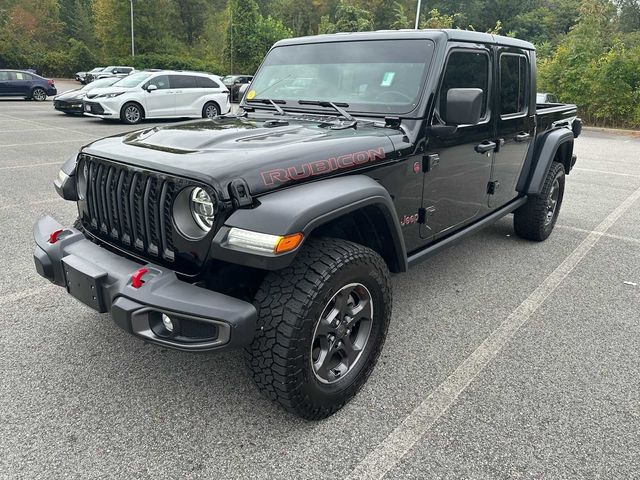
x=273, y=176
x=321, y=167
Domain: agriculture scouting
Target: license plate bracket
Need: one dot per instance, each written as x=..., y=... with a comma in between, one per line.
x=84, y=282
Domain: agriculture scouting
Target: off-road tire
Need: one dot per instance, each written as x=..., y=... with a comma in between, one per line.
x=290, y=303
x=530, y=221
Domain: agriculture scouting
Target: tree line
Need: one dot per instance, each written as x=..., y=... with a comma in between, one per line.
x=588, y=50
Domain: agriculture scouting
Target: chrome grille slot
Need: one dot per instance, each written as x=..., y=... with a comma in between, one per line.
x=130, y=207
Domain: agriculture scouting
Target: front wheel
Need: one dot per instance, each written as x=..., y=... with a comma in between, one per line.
x=536, y=218
x=131, y=113
x=38, y=94
x=321, y=326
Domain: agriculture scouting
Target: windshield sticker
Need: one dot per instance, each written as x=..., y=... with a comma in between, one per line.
x=251, y=94
x=321, y=167
x=387, y=79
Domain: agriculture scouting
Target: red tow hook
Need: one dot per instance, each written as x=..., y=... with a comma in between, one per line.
x=136, y=277
x=53, y=238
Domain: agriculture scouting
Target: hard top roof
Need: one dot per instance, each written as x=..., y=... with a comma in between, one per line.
x=444, y=34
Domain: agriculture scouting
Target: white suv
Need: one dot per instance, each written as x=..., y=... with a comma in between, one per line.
x=164, y=94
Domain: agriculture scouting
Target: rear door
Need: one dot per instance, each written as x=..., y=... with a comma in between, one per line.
x=188, y=95
x=515, y=122
x=22, y=84
x=455, y=186
x=160, y=102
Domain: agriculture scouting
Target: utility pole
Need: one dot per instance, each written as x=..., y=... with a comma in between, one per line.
x=231, y=34
x=133, y=48
x=418, y=14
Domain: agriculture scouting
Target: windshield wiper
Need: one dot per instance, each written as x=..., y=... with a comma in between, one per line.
x=335, y=106
x=271, y=102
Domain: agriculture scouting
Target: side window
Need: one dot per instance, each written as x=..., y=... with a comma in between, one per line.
x=514, y=75
x=206, y=82
x=464, y=69
x=5, y=76
x=161, y=81
x=23, y=76
x=183, y=81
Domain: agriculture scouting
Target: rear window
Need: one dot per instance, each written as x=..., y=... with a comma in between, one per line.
x=514, y=75
x=206, y=82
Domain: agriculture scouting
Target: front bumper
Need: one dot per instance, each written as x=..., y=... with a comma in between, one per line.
x=68, y=107
x=204, y=319
x=98, y=109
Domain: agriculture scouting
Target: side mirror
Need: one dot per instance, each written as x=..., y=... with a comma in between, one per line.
x=464, y=106
x=151, y=88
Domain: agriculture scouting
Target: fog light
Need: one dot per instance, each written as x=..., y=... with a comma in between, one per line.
x=166, y=321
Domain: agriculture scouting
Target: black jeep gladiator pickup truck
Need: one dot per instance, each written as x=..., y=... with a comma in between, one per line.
x=276, y=229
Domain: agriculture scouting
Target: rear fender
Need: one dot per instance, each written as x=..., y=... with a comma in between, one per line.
x=555, y=145
x=305, y=208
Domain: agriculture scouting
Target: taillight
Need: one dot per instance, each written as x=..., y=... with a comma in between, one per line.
x=50, y=82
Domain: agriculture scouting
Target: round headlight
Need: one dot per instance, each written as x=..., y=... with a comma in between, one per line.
x=203, y=208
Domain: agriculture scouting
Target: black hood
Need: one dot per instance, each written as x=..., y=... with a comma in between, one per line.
x=75, y=94
x=268, y=153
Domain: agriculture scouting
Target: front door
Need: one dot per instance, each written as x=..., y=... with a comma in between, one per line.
x=459, y=163
x=160, y=102
x=515, y=122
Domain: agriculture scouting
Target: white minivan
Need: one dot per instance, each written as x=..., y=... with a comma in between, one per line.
x=163, y=94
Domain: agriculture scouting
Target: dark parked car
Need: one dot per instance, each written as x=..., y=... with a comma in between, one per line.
x=80, y=76
x=277, y=229
x=234, y=82
x=110, y=71
x=19, y=83
x=71, y=101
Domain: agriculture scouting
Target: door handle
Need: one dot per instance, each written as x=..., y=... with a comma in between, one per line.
x=485, y=146
x=521, y=137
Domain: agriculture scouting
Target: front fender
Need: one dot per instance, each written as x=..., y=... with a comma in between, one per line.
x=303, y=209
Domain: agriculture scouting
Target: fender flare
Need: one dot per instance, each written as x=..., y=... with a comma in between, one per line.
x=544, y=154
x=304, y=208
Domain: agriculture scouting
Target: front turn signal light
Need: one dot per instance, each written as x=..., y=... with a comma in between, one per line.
x=288, y=243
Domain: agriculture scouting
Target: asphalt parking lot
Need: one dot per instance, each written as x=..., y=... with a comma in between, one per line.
x=505, y=358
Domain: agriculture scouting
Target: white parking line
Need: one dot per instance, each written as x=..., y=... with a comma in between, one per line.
x=18, y=119
x=607, y=172
x=26, y=204
x=41, y=143
x=390, y=452
x=13, y=167
x=14, y=297
x=606, y=235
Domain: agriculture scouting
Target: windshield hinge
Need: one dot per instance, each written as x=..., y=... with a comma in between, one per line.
x=239, y=191
x=392, y=122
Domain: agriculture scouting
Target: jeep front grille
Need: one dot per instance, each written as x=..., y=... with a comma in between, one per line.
x=129, y=207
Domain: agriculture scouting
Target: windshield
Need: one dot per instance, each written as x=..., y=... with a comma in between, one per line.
x=381, y=76
x=133, y=80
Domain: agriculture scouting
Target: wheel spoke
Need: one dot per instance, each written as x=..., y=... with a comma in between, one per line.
x=349, y=350
x=341, y=301
x=326, y=324
x=358, y=312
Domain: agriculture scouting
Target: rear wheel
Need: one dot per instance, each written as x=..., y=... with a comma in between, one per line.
x=210, y=110
x=131, y=113
x=321, y=326
x=536, y=218
x=39, y=94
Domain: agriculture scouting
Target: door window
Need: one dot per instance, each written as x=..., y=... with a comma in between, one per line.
x=6, y=76
x=183, y=81
x=23, y=76
x=465, y=69
x=514, y=74
x=161, y=81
